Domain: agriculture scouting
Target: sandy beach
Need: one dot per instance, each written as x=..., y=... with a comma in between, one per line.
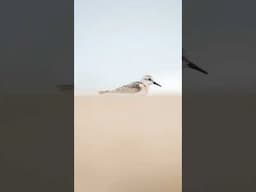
x=128, y=144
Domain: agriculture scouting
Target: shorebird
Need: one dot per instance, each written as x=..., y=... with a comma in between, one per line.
x=137, y=87
x=65, y=87
x=186, y=63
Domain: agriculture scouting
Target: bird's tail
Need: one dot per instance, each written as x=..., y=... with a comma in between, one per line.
x=103, y=92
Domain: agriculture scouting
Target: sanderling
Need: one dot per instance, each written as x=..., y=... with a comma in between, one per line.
x=137, y=87
x=186, y=63
x=65, y=87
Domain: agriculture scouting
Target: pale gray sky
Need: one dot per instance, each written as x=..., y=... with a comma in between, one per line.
x=119, y=41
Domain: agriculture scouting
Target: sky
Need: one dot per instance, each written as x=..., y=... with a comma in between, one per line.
x=120, y=41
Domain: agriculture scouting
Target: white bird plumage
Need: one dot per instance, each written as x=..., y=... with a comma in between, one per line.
x=137, y=87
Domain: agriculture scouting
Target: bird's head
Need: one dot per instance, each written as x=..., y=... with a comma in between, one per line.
x=147, y=79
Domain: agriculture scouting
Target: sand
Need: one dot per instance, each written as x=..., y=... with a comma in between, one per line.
x=128, y=144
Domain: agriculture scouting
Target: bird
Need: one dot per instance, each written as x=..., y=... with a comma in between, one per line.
x=137, y=87
x=186, y=63
x=65, y=87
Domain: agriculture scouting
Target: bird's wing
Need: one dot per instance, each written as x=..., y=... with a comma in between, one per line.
x=130, y=88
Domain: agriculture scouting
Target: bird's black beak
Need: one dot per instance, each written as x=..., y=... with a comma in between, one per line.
x=155, y=83
x=195, y=67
